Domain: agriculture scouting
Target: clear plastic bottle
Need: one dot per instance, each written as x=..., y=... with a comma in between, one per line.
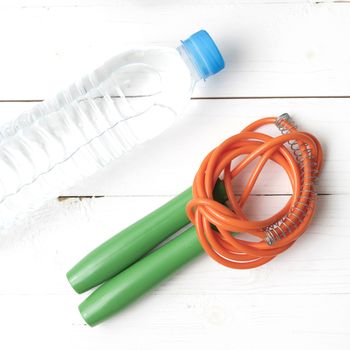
x=130, y=99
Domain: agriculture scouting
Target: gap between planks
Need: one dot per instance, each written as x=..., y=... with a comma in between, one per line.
x=215, y=98
x=63, y=198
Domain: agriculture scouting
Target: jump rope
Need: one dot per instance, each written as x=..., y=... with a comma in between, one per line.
x=125, y=268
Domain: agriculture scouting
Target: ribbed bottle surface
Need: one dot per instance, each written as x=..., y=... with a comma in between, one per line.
x=48, y=149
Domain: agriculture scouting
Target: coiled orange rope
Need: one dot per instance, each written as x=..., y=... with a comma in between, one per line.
x=218, y=226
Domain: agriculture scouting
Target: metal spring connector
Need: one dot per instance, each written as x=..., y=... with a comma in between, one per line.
x=308, y=174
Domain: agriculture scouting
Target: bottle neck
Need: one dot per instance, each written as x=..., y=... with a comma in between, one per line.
x=189, y=63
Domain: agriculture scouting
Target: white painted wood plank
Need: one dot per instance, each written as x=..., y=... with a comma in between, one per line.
x=190, y=322
x=300, y=299
x=273, y=49
x=167, y=164
x=36, y=254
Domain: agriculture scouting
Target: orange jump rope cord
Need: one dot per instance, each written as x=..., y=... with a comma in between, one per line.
x=302, y=160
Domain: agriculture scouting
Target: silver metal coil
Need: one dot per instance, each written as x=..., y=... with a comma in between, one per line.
x=302, y=153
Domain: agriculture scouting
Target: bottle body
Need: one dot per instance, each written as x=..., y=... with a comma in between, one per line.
x=130, y=99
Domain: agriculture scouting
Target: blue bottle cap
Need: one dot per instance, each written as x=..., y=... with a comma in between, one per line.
x=204, y=53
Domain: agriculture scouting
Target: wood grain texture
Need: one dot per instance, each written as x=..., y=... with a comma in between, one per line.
x=273, y=48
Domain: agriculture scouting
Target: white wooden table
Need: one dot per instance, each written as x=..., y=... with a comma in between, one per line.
x=282, y=56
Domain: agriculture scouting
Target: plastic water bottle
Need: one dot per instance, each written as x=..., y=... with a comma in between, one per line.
x=130, y=99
